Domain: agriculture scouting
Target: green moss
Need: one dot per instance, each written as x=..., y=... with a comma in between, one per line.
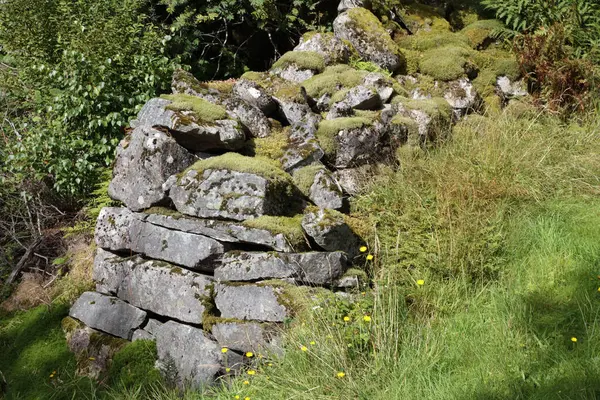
x=209, y=321
x=432, y=107
x=222, y=86
x=164, y=211
x=261, y=166
x=133, y=365
x=362, y=275
x=339, y=95
x=201, y=109
x=421, y=17
x=412, y=60
x=521, y=108
x=328, y=129
x=446, y=63
x=176, y=271
x=189, y=80
x=480, y=32
x=256, y=77
x=290, y=227
x=333, y=79
x=301, y=59
x=69, y=325
x=431, y=40
x=289, y=91
x=305, y=177
x=272, y=147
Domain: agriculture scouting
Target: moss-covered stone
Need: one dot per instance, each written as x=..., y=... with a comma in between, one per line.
x=446, y=63
x=328, y=129
x=421, y=17
x=431, y=40
x=272, y=147
x=261, y=166
x=480, y=33
x=290, y=227
x=334, y=79
x=302, y=60
x=364, y=21
x=202, y=110
x=432, y=107
x=164, y=211
x=305, y=177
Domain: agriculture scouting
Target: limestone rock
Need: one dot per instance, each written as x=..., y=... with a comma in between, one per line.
x=318, y=184
x=201, y=136
x=433, y=118
x=357, y=98
x=314, y=268
x=142, y=166
x=254, y=94
x=382, y=85
x=348, y=4
x=119, y=229
x=154, y=286
x=333, y=50
x=184, y=82
x=250, y=116
x=107, y=314
x=292, y=111
x=294, y=73
x=243, y=337
x=509, y=89
x=251, y=302
x=154, y=114
x=217, y=190
x=462, y=97
x=368, y=36
x=330, y=231
x=187, y=356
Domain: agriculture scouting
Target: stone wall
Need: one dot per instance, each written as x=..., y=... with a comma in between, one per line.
x=234, y=193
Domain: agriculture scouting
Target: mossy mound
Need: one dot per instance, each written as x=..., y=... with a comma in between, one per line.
x=434, y=107
x=305, y=177
x=421, y=17
x=431, y=40
x=290, y=227
x=261, y=166
x=302, y=60
x=202, y=110
x=276, y=86
x=480, y=33
x=328, y=129
x=446, y=63
x=366, y=22
x=333, y=79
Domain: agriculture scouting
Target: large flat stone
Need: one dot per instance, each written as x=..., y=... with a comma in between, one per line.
x=244, y=337
x=108, y=314
x=311, y=268
x=187, y=356
x=331, y=232
x=154, y=286
x=251, y=302
x=119, y=229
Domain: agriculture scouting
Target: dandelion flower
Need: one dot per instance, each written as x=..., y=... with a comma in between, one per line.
x=346, y=319
x=420, y=282
x=249, y=354
x=304, y=348
x=270, y=364
x=236, y=397
x=574, y=339
x=312, y=343
x=367, y=318
x=92, y=358
x=227, y=369
x=246, y=398
x=246, y=382
x=370, y=257
x=599, y=289
x=251, y=372
x=341, y=375
x=224, y=350
x=363, y=249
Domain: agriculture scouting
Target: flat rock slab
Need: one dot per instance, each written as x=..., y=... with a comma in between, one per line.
x=251, y=302
x=330, y=231
x=222, y=193
x=254, y=94
x=313, y=268
x=154, y=286
x=108, y=314
x=144, y=161
x=187, y=356
x=119, y=229
x=244, y=337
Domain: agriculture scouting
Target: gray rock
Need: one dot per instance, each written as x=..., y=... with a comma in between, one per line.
x=381, y=84
x=293, y=73
x=254, y=94
x=509, y=89
x=184, y=82
x=354, y=180
x=368, y=36
x=141, y=334
x=153, y=114
x=293, y=112
x=244, y=337
x=333, y=50
x=355, y=146
x=107, y=314
x=222, y=193
x=251, y=302
x=303, y=147
x=199, y=136
x=224, y=231
x=325, y=191
x=357, y=98
x=313, y=268
x=148, y=331
x=154, y=286
x=186, y=356
x=347, y=282
x=143, y=164
x=331, y=232
x=348, y=4
x=250, y=116
x=119, y=229
x=433, y=119
x=462, y=97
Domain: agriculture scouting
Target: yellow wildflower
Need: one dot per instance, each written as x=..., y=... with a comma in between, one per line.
x=346, y=319
x=249, y=354
x=367, y=318
x=246, y=383
x=370, y=257
x=574, y=339
x=224, y=350
x=304, y=348
x=312, y=342
x=363, y=249
x=270, y=364
x=420, y=282
x=227, y=369
x=236, y=397
x=246, y=398
x=92, y=358
x=251, y=372
x=341, y=375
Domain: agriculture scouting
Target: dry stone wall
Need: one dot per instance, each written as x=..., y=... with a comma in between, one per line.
x=233, y=193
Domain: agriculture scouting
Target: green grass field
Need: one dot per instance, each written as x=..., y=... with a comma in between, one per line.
x=502, y=226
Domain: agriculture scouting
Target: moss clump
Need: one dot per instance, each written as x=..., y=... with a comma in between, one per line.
x=69, y=325
x=479, y=32
x=289, y=91
x=261, y=166
x=201, y=109
x=446, y=63
x=272, y=147
x=492, y=104
x=301, y=59
x=412, y=61
x=328, y=129
x=221, y=86
x=305, y=177
x=436, y=106
x=290, y=227
x=364, y=21
x=421, y=17
x=256, y=77
x=334, y=79
x=164, y=211
x=187, y=79
x=432, y=40
x=362, y=275
x=133, y=365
